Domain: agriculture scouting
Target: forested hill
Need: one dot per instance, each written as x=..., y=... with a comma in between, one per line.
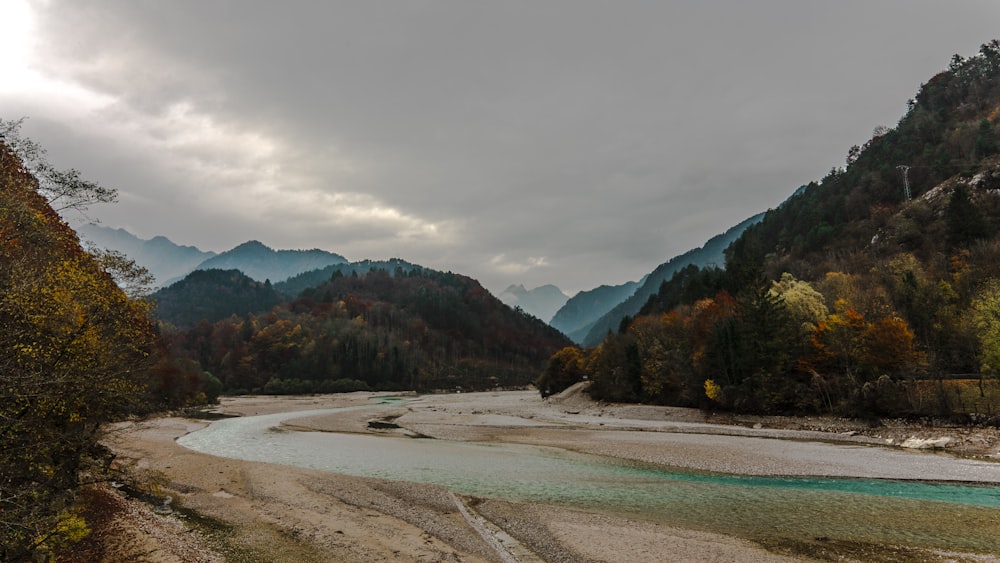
x=424, y=330
x=212, y=295
x=864, y=293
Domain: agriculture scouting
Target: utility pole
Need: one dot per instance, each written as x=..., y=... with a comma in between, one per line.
x=906, y=180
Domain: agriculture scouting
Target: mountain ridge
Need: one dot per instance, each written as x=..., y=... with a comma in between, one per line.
x=164, y=259
x=542, y=302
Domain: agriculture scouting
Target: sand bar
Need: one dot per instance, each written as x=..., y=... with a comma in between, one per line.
x=277, y=513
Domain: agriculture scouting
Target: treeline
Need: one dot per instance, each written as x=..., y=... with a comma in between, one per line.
x=416, y=330
x=863, y=294
x=839, y=345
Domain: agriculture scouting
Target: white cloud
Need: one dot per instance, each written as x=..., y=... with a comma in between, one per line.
x=500, y=263
x=568, y=142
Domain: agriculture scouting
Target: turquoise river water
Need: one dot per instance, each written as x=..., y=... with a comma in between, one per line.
x=925, y=514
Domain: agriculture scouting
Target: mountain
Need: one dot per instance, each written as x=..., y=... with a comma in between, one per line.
x=580, y=312
x=425, y=330
x=711, y=254
x=211, y=295
x=164, y=259
x=872, y=292
x=542, y=302
x=261, y=262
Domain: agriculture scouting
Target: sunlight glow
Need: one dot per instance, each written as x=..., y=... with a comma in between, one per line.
x=19, y=63
x=15, y=44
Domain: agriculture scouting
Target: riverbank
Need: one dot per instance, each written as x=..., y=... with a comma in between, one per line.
x=250, y=511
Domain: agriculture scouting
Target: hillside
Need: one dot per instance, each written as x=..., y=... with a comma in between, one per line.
x=576, y=317
x=426, y=330
x=212, y=295
x=165, y=260
x=872, y=292
x=542, y=301
x=711, y=254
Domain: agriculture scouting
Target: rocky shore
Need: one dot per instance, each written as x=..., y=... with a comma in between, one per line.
x=228, y=510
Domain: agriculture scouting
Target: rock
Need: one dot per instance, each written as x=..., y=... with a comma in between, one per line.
x=926, y=443
x=382, y=424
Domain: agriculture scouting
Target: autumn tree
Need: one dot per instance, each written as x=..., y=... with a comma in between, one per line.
x=63, y=189
x=986, y=318
x=72, y=346
x=565, y=367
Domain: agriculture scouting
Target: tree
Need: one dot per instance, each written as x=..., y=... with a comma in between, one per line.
x=965, y=222
x=72, y=350
x=890, y=348
x=63, y=189
x=986, y=317
x=565, y=368
x=986, y=141
x=805, y=305
x=135, y=280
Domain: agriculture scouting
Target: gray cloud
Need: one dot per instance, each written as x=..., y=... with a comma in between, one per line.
x=571, y=142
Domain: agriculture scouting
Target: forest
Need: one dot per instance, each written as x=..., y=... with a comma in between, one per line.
x=872, y=292
x=415, y=329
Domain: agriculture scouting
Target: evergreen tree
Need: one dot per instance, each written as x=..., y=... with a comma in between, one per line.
x=964, y=220
x=986, y=141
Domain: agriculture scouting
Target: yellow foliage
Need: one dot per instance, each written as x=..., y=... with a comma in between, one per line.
x=712, y=390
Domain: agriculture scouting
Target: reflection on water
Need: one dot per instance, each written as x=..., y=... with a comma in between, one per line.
x=951, y=516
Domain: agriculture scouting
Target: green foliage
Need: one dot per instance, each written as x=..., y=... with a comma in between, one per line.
x=986, y=317
x=986, y=141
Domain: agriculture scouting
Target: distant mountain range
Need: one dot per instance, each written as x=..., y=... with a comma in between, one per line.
x=541, y=302
x=263, y=263
x=164, y=259
x=585, y=318
x=581, y=311
x=169, y=262
x=589, y=315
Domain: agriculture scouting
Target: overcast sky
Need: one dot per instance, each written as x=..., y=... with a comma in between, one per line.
x=572, y=142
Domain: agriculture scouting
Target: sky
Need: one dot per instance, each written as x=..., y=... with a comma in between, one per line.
x=572, y=142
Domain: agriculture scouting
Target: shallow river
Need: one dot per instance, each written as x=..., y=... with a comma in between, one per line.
x=942, y=515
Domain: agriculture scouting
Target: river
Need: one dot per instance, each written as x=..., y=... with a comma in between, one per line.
x=944, y=515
